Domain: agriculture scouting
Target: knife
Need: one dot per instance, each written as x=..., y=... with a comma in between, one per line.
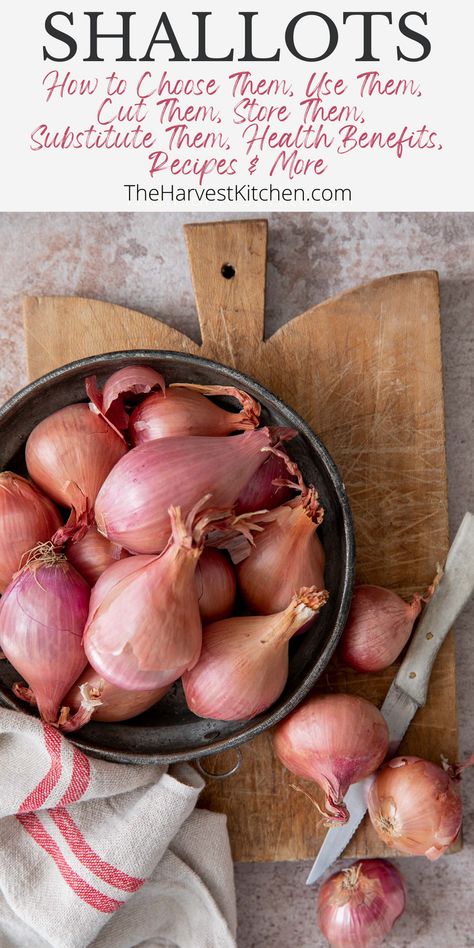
x=409, y=689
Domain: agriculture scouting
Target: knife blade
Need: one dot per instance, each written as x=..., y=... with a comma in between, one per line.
x=409, y=689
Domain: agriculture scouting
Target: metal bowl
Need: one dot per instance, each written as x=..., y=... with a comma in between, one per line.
x=169, y=732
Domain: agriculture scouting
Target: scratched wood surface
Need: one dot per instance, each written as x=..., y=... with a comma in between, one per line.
x=364, y=369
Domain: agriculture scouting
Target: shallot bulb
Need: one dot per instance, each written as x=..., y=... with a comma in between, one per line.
x=359, y=906
x=27, y=518
x=42, y=618
x=106, y=702
x=378, y=628
x=335, y=740
x=268, y=488
x=93, y=554
x=144, y=629
x=216, y=585
x=286, y=555
x=132, y=505
x=69, y=455
x=132, y=380
x=185, y=410
x=415, y=807
x=243, y=665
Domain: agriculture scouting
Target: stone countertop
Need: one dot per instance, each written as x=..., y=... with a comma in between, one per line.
x=139, y=260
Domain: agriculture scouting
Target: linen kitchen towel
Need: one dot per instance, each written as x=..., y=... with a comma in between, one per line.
x=102, y=855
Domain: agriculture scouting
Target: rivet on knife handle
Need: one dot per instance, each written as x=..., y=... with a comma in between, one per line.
x=440, y=613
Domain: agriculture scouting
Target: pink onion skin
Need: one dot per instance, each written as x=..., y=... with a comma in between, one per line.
x=27, y=518
x=132, y=380
x=378, y=628
x=216, y=584
x=72, y=445
x=334, y=740
x=132, y=506
x=144, y=629
x=415, y=807
x=286, y=555
x=93, y=554
x=359, y=906
x=42, y=618
x=181, y=411
x=117, y=704
x=260, y=493
x=243, y=666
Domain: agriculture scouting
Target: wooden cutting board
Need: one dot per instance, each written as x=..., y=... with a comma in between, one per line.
x=365, y=371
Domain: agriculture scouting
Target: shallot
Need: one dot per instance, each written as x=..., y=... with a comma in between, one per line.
x=216, y=585
x=27, y=517
x=415, y=806
x=334, y=740
x=42, y=618
x=185, y=410
x=144, y=629
x=106, y=702
x=286, y=555
x=359, y=906
x=243, y=665
x=93, y=554
x=378, y=628
x=268, y=488
x=69, y=455
x=131, y=508
x=132, y=380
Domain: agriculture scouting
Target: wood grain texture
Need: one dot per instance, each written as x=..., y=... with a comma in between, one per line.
x=364, y=369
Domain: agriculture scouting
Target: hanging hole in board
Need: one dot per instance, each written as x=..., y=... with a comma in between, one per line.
x=228, y=271
x=224, y=775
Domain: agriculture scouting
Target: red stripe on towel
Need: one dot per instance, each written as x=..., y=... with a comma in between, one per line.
x=80, y=778
x=97, y=900
x=90, y=859
x=37, y=798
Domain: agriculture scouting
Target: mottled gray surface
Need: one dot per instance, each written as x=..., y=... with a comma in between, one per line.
x=139, y=260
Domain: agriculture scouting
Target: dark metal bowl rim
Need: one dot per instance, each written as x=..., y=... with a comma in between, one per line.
x=241, y=380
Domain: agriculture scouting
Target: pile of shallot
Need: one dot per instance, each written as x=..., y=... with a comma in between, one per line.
x=160, y=536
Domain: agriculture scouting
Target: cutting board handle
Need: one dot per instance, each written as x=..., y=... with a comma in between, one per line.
x=228, y=265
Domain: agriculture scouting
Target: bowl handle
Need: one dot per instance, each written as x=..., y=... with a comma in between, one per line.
x=221, y=776
x=228, y=265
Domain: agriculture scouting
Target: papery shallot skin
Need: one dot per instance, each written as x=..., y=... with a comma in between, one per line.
x=261, y=493
x=130, y=381
x=286, y=555
x=378, y=627
x=216, y=585
x=185, y=410
x=27, y=517
x=132, y=506
x=69, y=455
x=93, y=554
x=243, y=666
x=42, y=617
x=415, y=807
x=359, y=906
x=334, y=740
x=116, y=704
x=144, y=628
